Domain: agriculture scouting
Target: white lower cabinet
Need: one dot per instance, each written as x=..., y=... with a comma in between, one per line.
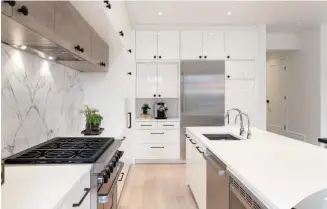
x=76, y=194
x=196, y=170
x=157, y=144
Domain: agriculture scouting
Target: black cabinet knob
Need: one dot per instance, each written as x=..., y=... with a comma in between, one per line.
x=200, y=57
x=154, y=95
x=108, y=6
x=103, y=64
x=121, y=33
x=267, y=101
x=228, y=57
x=130, y=50
x=82, y=50
x=159, y=57
x=205, y=57
x=11, y=3
x=159, y=95
x=129, y=73
x=154, y=56
x=24, y=10
x=228, y=76
x=78, y=47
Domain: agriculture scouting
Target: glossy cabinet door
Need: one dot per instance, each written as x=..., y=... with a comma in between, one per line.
x=213, y=45
x=168, y=80
x=200, y=164
x=71, y=26
x=191, y=45
x=6, y=9
x=240, y=94
x=241, y=44
x=146, y=80
x=240, y=69
x=100, y=50
x=168, y=45
x=146, y=45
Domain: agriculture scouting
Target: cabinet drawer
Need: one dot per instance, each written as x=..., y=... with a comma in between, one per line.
x=168, y=125
x=158, y=151
x=146, y=125
x=158, y=136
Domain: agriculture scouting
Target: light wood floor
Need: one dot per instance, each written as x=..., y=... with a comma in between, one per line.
x=156, y=186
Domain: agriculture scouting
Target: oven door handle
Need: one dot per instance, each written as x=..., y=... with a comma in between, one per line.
x=104, y=197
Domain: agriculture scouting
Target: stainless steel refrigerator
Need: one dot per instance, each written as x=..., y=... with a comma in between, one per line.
x=202, y=95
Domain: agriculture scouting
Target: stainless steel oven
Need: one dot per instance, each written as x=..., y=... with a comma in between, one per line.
x=107, y=187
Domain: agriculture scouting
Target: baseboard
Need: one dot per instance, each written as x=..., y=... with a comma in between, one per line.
x=159, y=161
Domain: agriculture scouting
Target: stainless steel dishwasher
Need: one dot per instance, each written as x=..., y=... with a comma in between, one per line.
x=217, y=183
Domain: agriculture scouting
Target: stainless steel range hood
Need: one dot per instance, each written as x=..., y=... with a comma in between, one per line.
x=27, y=33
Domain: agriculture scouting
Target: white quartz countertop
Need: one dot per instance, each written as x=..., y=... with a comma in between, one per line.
x=281, y=171
x=39, y=186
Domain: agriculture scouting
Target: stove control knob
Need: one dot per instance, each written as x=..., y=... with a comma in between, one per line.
x=106, y=177
x=120, y=154
x=110, y=167
x=114, y=161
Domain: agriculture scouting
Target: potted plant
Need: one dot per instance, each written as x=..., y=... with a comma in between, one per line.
x=93, y=119
x=145, y=108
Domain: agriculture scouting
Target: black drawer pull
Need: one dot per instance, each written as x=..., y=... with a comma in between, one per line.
x=87, y=190
x=192, y=141
x=158, y=133
x=122, y=176
x=157, y=147
x=187, y=136
x=168, y=125
x=145, y=125
x=199, y=149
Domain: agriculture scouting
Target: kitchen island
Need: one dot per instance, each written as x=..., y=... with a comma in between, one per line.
x=279, y=171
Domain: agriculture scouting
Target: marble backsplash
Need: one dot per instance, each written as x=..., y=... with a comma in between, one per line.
x=40, y=99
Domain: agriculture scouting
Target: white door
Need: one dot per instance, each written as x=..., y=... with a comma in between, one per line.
x=213, y=45
x=146, y=80
x=191, y=45
x=241, y=44
x=276, y=92
x=146, y=45
x=240, y=94
x=168, y=45
x=240, y=69
x=168, y=75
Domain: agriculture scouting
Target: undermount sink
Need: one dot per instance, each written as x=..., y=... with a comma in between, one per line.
x=220, y=137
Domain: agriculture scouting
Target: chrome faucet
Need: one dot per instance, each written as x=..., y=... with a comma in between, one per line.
x=241, y=118
x=249, y=134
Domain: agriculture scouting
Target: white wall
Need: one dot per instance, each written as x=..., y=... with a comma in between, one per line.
x=107, y=91
x=304, y=87
x=283, y=41
x=324, y=81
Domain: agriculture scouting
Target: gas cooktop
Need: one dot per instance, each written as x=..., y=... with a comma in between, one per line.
x=63, y=150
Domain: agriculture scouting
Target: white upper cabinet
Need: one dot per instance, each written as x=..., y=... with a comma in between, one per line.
x=153, y=45
x=241, y=44
x=168, y=45
x=146, y=80
x=168, y=75
x=240, y=69
x=146, y=45
x=157, y=80
x=213, y=45
x=191, y=45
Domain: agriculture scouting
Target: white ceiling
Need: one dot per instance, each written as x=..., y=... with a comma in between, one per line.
x=206, y=13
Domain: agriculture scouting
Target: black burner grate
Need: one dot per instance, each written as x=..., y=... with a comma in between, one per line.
x=63, y=150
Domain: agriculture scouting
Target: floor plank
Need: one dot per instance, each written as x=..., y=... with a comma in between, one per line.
x=156, y=186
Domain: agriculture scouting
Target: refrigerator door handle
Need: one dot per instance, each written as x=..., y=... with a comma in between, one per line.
x=129, y=120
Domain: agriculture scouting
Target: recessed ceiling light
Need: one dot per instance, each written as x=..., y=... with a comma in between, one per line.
x=229, y=13
x=23, y=47
x=160, y=13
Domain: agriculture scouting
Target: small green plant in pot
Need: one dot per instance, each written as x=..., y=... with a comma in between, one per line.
x=93, y=119
x=145, y=108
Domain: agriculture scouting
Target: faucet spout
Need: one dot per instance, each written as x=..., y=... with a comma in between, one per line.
x=241, y=119
x=249, y=134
